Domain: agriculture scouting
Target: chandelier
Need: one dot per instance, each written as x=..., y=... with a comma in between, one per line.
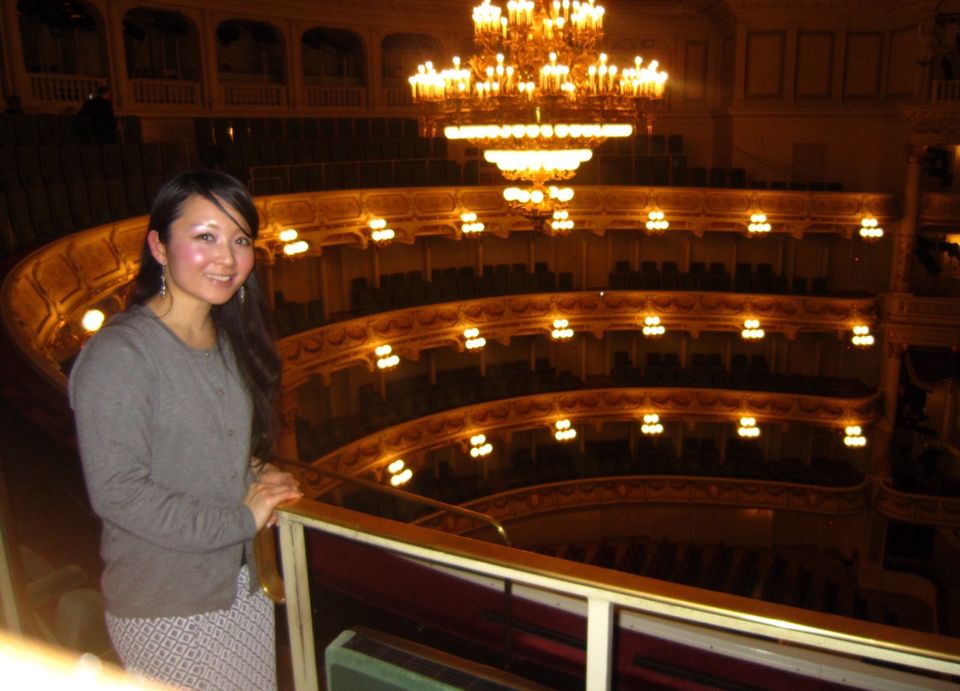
x=538, y=96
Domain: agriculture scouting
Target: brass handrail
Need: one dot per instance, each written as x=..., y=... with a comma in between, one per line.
x=408, y=496
x=271, y=582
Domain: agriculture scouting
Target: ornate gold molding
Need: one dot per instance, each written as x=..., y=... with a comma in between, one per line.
x=619, y=491
x=911, y=320
x=414, y=438
x=917, y=508
x=409, y=331
x=334, y=218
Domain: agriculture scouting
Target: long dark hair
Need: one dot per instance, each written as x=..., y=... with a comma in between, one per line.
x=246, y=324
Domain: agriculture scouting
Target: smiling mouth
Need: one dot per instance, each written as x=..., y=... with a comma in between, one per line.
x=220, y=279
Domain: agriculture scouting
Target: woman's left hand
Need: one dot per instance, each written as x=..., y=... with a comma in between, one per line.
x=271, y=475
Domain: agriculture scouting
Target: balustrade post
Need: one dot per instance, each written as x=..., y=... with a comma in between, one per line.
x=599, y=644
x=296, y=580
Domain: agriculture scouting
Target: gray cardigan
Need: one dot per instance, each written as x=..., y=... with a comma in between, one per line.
x=164, y=432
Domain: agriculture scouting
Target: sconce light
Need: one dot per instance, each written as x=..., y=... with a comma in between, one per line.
x=288, y=235
x=561, y=330
x=479, y=446
x=854, y=436
x=758, y=224
x=870, y=229
x=564, y=432
x=656, y=222
x=560, y=223
x=652, y=327
x=380, y=234
x=385, y=357
x=92, y=320
x=470, y=225
x=651, y=424
x=862, y=338
x=751, y=330
x=474, y=341
x=297, y=247
x=748, y=428
x=399, y=475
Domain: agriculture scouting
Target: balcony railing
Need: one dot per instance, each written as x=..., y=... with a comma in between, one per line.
x=254, y=95
x=823, y=647
x=945, y=90
x=62, y=88
x=398, y=98
x=336, y=97
x=165, y=92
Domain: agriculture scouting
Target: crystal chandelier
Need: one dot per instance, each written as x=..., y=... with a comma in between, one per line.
x=538, y=96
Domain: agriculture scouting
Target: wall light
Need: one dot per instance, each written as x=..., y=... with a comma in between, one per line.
x=656, y=223
x=92, y=320
x=870, y=229
x=288, y=235
x=862, y=338
x=561, y=330
x=748, y=428
x=651, y=424
x=561, y=223
x=399, y=475
x=474, y=340
x=564, y=432
x=652, y=327
x=380, y=234
x=470, y=225
x=385, y=357
x=758, y=223
x=751, y=330
x=297, y=247
x=479, y=446
x=854, y=436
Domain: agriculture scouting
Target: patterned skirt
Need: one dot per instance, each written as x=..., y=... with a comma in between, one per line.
x=223, y=650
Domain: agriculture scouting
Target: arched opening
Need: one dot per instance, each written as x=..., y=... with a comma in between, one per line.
x=163, y=56
x=251, y=63
x=400, y=55
x=64, y=48
x=334, y=67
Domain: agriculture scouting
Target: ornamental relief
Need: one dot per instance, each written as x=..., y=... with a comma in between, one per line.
x=617, y=491
x=503, y=417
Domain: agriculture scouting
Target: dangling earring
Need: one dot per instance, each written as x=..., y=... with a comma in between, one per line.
x=243, y=294
x=163, y=281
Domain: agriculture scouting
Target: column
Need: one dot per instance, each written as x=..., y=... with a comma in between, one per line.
x=212, y=96
x=907, y=230
x=287, y=440
x=376, y=99
x=295, y=93
x=117, y=69
x=15, y=72
x=883, y=431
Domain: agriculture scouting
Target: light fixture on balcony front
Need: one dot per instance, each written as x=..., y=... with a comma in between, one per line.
x=563, y=430
x=540, y=203
x=288, y=235
x=561, y=330
x=862, y=338
x=386, y=359
x=656, y=222
x=652, y=328
x=379, y=232
x=92, y=320
x=296, y=247
x=758, y=224
x=651, y=424
x=751, y=330
x=853, y=436
x=399, y=474
x=870, y=229
x=561, y=223
x=479, y=446
x=748, y=428
x=474, y=341
x=470, y=226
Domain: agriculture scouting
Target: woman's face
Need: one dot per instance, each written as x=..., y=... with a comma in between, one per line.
x=207, y=255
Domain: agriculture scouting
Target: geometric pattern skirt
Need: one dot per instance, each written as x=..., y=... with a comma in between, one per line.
x=223, y=650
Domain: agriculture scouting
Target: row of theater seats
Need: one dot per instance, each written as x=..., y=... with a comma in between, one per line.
x=706, y=370
x=49, y=129
x=747, y=278
x=49, y=191
x=414, y=397
x=409, y=289
x=323, y=177
x=824, y=581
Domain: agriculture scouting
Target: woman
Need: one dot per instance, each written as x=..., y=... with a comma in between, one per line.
x=174, y=401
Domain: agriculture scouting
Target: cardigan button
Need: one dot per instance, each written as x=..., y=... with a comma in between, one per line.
x=220, y=392
x=229, y=432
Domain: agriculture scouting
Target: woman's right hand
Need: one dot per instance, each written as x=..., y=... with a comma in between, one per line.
x=263, y=497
